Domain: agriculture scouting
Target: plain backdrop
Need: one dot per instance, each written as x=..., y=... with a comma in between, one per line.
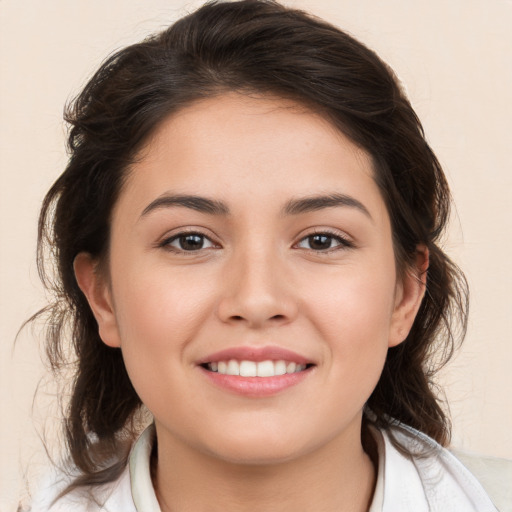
x=454, y=59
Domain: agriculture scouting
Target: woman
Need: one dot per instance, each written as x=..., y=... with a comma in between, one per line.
x=246, y=237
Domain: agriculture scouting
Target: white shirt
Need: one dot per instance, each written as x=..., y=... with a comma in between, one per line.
x=431, y=480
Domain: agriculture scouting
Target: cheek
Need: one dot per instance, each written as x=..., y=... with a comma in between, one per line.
x=158, y=314
x=157, y=305
x=352, y=310
x=353, y=302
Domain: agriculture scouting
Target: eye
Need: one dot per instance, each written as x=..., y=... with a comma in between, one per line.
x=188, y=242
x=323, y=242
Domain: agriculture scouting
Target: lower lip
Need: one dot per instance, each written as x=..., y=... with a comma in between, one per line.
x=256, y=386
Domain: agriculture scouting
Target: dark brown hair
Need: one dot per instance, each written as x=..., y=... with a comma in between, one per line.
x=249, y=46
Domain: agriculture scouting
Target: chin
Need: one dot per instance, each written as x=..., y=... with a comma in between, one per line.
x=261, y=454
x=259, y=445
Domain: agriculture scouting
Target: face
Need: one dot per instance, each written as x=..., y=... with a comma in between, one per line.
x=252, y=285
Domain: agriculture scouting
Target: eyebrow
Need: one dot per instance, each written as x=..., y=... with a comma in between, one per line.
x=319, y=202
x=292, y=207
x=200, y=204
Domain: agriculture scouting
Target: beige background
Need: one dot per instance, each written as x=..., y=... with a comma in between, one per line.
x=454, y=58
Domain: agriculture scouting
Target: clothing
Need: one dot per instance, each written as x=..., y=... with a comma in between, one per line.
x=431, y=480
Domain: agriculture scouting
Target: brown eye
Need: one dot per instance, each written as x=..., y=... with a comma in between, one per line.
x=320, y=242
x=323, y=242
x=188, y=242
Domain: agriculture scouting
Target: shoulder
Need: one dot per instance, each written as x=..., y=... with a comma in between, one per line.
x=494, y=473
x=112, y=497
x=420, y=473
x=132, y=491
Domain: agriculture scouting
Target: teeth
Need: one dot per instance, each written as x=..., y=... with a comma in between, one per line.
x=280, y=368
x=266, y=369
x=248, y=369
x=233, y=368
x=253, y=369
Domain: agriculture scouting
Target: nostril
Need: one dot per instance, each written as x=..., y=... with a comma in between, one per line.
x=238, y=318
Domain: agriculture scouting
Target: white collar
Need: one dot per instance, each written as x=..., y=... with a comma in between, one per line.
x=431, y=481
x=143, y=493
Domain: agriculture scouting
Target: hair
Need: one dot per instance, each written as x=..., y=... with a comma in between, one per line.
x=251, y=47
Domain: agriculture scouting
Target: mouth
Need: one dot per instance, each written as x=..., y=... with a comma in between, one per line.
x=256, y=371
x=247, y=368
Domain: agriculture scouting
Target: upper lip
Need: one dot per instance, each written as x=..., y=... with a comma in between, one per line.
x=256, y=354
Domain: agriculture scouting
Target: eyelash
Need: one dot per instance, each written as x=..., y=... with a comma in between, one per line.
x=342, y=242
x=166, y=244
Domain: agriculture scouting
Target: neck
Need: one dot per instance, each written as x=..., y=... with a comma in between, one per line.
x=339, y=476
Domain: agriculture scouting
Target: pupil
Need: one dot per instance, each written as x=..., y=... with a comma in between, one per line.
x=191, y=242
x=320, y=242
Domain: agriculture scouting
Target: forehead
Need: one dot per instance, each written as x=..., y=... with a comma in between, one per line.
x=247, y=149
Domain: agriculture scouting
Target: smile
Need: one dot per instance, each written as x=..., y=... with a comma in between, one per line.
x=256, y=371
x=246, y=368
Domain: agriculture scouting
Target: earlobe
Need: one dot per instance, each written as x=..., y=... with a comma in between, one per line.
x=410, y=293
x=97, y=291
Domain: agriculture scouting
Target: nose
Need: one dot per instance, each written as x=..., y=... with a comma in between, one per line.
x=256, y=291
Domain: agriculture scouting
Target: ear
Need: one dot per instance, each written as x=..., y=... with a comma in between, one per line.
x=409, y=294
x=96, y=289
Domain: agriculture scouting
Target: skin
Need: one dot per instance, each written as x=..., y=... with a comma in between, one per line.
x=257, y=281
